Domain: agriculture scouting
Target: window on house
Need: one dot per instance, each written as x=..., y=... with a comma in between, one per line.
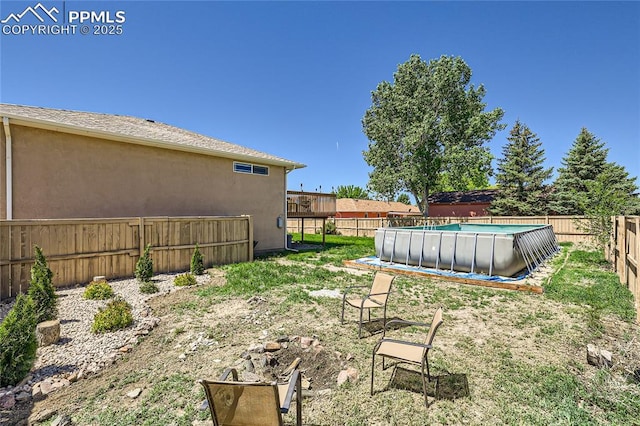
x=250, y=168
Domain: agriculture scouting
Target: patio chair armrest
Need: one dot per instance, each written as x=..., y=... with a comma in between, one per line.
x=404, y=342
x=368, y=297
x=293, y=384
x=225, y=374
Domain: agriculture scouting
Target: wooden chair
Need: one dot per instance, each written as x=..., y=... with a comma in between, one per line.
x=377, y=298
x=235, y=403
x=403, y=351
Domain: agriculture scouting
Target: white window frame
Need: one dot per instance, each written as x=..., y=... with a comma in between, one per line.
x=252, y=166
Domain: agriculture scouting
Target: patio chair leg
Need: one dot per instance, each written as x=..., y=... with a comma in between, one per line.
x=342, y=316
x=373, y=365
x=424, y=386
x=299, y=400
x=360, y=325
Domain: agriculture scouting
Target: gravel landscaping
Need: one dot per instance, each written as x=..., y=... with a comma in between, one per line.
x=80, y=352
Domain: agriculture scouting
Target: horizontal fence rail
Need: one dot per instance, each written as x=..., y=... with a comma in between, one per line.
x=79, y=249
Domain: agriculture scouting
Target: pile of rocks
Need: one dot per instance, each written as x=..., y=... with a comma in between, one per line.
x=79, y=352
x=267, y=361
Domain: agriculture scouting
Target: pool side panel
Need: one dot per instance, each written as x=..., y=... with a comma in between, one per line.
x=504, y=254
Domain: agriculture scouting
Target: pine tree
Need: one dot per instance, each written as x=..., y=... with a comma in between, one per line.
x=18, y=344
x=610, y=194
x=521, y=176
x=197, y=262
x=583, y=163
x=144, y=266
x=41, y=288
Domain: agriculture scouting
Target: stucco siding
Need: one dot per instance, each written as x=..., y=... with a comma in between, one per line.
x=60, y=175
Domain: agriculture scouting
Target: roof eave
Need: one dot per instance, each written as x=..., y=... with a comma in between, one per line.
x=101, y=134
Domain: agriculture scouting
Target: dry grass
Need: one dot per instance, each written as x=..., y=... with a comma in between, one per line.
x=523, y=355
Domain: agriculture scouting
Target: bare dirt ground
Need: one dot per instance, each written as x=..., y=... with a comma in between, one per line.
x=483, y=329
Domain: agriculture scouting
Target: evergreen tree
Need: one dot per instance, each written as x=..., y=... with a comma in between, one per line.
x=583, y=163
x=610, y=194
x=144, y=266
x=197, y=262
x=18, y=344
x=521, y=176
x=41, y=288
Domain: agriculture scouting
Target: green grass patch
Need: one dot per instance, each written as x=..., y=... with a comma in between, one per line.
x=584, y=281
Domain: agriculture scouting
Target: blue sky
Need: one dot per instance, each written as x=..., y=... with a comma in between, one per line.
x=294, y=78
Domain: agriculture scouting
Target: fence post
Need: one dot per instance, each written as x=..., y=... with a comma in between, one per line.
x=250, y=238
x=357, y=227
x=625, y=251
x=141, y=235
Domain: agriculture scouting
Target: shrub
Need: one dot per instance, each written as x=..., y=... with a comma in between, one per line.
x=144, y=266
x=330, y=228
x=18, y=342
x=98, y=290
x=148, y=287
x=185, y=280
x=197, y=262
x=41, y=288
x=115, y=316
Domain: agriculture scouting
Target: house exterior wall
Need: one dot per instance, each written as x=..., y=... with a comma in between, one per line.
x=60, y=175
x=458, y=210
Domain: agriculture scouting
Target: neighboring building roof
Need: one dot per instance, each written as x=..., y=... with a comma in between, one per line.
x=464, y=197
x=135, y=130
x=355, y=205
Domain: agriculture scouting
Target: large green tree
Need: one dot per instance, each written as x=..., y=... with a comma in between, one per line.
x=521, y=175
x=427, y=130
x=351, y=191
x=584, y=161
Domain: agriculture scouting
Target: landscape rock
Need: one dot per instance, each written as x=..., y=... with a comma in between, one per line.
x=62, y=420
x=42, y=416
x=606, y=358
x=7, y=401
x=48, y=332
x=348, y=375
x=134, y=393
x=599, y=357
x=593, y=355
x=272, y=346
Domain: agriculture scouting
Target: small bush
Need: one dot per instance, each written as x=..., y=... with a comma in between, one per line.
x=144, y=266
x=148, y=287
x=330, y=228
x=98, y=290
x=18, y=343
x=197, y=262
x=41, y=288
x=185, y=280
x=115, y=316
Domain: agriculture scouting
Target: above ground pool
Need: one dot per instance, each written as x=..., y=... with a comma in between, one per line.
x=488, y=249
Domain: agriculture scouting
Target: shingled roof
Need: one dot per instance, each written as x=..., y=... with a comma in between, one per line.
x=135, y=130
x=463, y=197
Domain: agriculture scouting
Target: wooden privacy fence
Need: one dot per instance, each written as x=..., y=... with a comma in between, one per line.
x=564, y=226
x=79, y=249
x=625, y=252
